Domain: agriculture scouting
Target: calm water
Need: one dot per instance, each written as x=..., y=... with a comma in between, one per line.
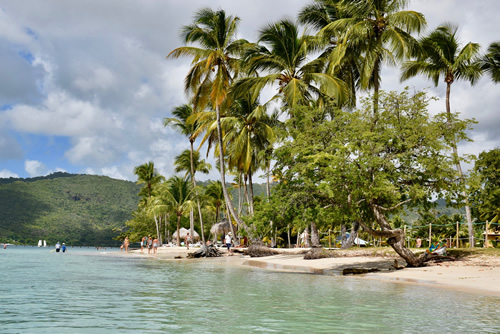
x=86, y=291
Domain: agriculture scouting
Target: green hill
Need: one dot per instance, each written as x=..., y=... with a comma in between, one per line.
x=75, y=209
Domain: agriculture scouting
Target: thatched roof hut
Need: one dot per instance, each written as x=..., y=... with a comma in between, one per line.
x=183, y=232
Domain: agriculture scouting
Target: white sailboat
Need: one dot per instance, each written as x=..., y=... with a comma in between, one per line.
x=39, y=243
x=44, y=243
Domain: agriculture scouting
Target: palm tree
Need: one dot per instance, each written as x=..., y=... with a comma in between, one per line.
x=180, y=122
x=442, y=57
x=215, y=195
x=490, y=62
x=380, y=32
x=189, y=161
x=249, y=133
x=178, y=193
x=283, y=54
x=343, y=62
x=215, y=65
x=148, y=175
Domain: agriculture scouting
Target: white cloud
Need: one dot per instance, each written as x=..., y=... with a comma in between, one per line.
x=5, y=173
x=35, y=168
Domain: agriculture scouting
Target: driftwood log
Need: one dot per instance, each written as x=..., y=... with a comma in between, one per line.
x=260, y=251
x=205, y=251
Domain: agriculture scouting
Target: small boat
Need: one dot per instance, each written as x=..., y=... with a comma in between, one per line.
x=45, y=243
x=39, y=243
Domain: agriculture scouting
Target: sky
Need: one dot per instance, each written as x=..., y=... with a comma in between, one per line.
x=85, y=85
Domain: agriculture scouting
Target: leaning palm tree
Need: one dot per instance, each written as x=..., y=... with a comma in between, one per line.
x=442, y=57
x=380, y=31
x=490, y=62
x=215, y=65
x=282, y=55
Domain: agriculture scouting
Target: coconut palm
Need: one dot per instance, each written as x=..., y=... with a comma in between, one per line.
x=249, y=133
x=380, y=31
x=490, y=62
x=442, y=57
x=282, y=55
x=184, y=163
x=343, y=62
x=177, y=192
x=148, y=175
x=215, y=65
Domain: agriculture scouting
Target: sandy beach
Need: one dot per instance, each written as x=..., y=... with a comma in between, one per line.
x=477, y=275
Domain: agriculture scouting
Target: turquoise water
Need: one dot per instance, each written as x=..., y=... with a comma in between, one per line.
x=89, y=291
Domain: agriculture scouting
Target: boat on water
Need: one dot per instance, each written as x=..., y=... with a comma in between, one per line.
x=39, y=243
x=44, y=243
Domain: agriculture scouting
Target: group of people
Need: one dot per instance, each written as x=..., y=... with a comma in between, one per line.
x=59, y=247
x=149, y=243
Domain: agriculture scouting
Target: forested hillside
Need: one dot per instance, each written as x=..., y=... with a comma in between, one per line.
x=75, y=209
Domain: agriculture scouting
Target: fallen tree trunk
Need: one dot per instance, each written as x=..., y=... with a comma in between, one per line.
x=205, y=251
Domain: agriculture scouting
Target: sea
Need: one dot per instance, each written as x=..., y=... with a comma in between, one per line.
x=86, y=290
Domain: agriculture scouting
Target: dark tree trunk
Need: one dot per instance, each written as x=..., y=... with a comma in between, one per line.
x=314, y=236
x=352, y=236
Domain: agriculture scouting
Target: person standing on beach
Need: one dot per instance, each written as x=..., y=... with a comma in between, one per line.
x=228, y=242
x=143, y=243
x=419, y=242
x=126, y=243
x=187, y=240
x=150, y=244
x=155, y=245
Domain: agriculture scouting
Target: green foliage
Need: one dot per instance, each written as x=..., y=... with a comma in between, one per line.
x=485, y=184
x=75, y=209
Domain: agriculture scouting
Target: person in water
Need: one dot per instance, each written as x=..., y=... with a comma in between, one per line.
x=58, y=247
x=64, y=247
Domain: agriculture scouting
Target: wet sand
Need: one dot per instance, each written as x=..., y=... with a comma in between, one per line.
x=480, y=275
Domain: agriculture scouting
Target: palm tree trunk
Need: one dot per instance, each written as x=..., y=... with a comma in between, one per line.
x=229, y=204
x=197, y=199
x=268, y=183
x=157, y=229
x=459, y=168
x=245, y=193
x=178, y=230
x=250, y=184
x=240, y=204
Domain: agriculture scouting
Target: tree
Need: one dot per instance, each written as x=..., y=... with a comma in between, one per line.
x=380, y=31
x=249, y=132
x=490, y=62
x=283, y=57
x=348, y=166
x=182, y=114
x=442, y=57
x=148, y=175
x=486, y=190
x=215, y=65
x=177, y=192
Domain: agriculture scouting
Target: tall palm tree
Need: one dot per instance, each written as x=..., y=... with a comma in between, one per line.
x=490, y=62
x=189, y=129
x=282, y=54
x=380, y=31
x=249, y=133
x=215, y=65
x=148, y=175
x=177, y=192
x=189, y=161
x=442, y=57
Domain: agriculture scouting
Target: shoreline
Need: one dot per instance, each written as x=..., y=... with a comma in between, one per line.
x=480, y=276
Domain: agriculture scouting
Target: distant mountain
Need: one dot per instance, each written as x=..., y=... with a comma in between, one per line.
x=75, y=209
